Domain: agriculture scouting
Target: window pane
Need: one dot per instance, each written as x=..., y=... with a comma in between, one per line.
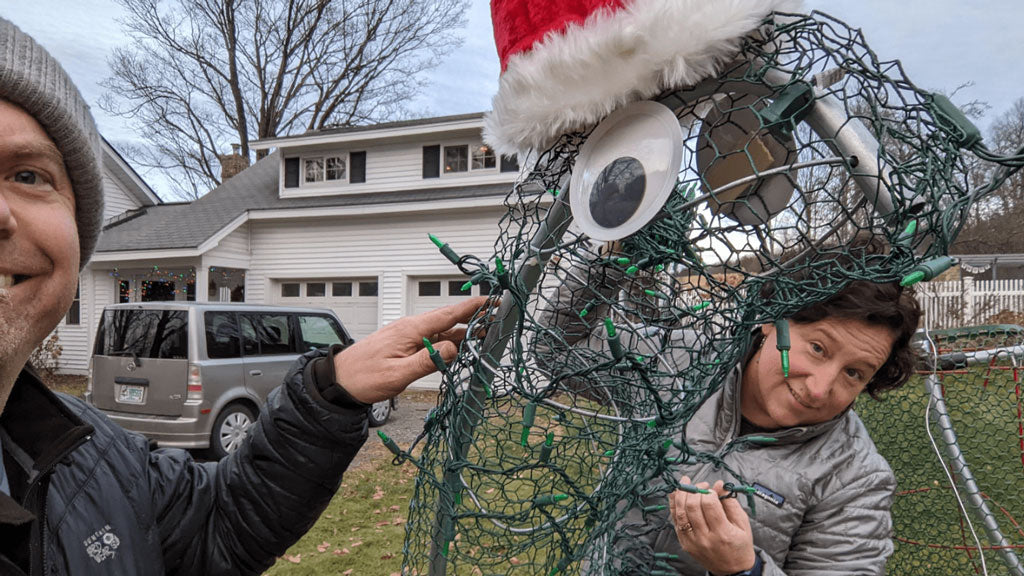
x=430, y=288
x=316, y=289
x=143, y=333
x=317, y=332
x=74, y=315
x=456, y=159
x=341, y=289
x=455, y=288
x=221, y=335
x=314, y=170
x=335, y=168
x=290, y=290
x=272, y=333
x=483, y=158
x=368, y=288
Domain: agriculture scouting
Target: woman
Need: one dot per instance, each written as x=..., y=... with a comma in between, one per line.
x=823, y=492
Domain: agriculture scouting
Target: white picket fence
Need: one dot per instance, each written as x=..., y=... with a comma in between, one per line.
x=968, y=302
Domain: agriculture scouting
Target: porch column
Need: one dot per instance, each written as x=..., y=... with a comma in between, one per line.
x=202, y=281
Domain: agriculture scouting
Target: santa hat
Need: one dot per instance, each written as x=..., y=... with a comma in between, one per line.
x=566, y=64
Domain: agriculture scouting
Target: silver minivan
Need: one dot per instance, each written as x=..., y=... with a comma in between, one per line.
x=193, y=375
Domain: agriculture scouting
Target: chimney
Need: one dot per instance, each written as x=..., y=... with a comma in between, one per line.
x=232, y=164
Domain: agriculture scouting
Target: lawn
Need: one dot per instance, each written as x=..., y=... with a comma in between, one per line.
x=362, y=530
x=931, y=537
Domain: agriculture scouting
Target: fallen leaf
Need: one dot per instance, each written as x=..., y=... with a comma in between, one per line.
x=354, y=528
x=383, y=523
x=347, y=572
x=387, y=556
x=323, y=547
x=398, y=520
x=354, y=544
x=394, y=508
x=378, y=493
x=293, y=559
x=513, y=561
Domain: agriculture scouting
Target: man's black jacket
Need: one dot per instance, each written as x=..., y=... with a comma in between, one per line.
x=91, y=498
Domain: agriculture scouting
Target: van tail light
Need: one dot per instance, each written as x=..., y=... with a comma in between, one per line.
x=194, y=390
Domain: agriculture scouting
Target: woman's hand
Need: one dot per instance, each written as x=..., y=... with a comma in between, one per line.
x=715, y=532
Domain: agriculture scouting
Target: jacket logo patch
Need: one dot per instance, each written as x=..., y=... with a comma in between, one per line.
x=769, y=495
x=102, y=544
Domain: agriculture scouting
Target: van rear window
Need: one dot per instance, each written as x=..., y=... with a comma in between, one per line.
x=143, y=333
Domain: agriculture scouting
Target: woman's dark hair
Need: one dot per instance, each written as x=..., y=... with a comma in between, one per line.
x=887, y=305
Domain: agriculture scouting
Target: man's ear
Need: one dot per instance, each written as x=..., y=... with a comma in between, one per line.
x=767, y=329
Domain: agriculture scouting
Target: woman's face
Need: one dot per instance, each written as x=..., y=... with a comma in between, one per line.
x=831, y=361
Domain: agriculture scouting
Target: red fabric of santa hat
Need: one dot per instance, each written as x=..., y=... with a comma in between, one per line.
x=566, y=64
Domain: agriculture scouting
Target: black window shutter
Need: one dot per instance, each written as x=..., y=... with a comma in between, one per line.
x=509, y=163
x=432, y=161
x=357, y=167
x=291, y=172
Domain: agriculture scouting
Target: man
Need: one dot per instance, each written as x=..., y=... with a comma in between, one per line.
x=79, y=495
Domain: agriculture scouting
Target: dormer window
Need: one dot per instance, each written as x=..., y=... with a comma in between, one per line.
x=314, y=170
x=336, y=168
x=322, y=169
x=483, y=158
x=464, y=158
x=456, y=159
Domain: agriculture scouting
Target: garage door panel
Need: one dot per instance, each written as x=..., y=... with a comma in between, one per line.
x=354, y=300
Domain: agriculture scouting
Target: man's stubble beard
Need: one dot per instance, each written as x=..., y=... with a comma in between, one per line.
x=14, y=349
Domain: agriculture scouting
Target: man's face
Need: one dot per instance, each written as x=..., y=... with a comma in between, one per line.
x=831, y=362
x=39, y=253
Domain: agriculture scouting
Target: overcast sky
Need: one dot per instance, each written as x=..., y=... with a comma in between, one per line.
x=941, y=43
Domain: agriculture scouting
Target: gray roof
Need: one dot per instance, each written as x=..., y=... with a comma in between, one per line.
x=382, y=126
x=181, y=226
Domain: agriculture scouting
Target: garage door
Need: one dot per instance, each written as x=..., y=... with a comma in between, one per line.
x=354, y=300
x=430, y=293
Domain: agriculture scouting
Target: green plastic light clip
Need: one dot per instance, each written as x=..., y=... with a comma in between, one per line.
x=435, y=357
x=782, y=343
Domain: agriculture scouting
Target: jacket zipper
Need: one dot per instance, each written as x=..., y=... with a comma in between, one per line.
x=41, y=484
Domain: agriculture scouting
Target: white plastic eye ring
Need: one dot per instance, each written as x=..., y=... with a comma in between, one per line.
x=626, y=170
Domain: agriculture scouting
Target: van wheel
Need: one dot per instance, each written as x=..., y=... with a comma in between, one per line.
x=230, y=430
x=379, y=412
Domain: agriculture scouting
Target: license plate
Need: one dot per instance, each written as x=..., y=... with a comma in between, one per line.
x=129, y=394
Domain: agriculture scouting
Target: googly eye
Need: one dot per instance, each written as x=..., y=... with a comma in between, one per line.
x=731, y=147
x=626, y=170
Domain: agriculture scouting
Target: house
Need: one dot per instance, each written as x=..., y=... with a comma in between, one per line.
x=337, y=218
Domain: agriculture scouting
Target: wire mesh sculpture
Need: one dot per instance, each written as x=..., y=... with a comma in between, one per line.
x=636, y=257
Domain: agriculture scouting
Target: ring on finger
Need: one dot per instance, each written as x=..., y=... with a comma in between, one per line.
x=686, y=527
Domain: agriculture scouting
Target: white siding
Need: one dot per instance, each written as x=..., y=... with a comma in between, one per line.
x=395, y=167
x=232, y=251
x=116, y=199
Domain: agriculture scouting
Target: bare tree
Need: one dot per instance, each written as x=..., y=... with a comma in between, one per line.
x=200, y=75
x=994, y=225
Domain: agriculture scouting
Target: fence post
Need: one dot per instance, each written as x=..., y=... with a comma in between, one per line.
x=968, y=295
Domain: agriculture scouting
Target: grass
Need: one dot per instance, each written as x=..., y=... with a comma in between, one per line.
x=362, y=530
x=930, y=534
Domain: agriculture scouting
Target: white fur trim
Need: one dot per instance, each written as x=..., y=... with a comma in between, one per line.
x=571, y=80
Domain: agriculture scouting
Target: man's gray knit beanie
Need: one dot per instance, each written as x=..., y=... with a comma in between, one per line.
x=33, y=80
